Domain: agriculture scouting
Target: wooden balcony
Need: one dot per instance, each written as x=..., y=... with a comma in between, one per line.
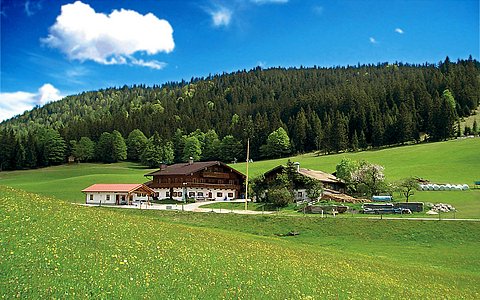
x=163, y=185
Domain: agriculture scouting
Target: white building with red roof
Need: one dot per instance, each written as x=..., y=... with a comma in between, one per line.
x=117, y=194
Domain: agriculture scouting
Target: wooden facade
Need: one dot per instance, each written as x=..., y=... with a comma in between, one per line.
x=201, y=180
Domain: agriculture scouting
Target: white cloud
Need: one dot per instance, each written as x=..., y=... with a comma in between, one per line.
x=373, y=40
x=221, y=16
x=399, y=30
x=269, y=1
x=32, y=8
x=12, y=104
x=83, y=34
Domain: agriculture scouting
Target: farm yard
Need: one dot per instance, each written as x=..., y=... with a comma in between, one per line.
x=51, y=248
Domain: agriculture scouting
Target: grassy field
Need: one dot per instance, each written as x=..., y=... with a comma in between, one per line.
x=455, y=161
x=66, y=181
x=53, y=249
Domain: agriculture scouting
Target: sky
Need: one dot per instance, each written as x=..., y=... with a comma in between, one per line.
x=54, y=48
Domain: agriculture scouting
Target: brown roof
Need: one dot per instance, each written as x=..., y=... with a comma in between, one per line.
x=121, y=188
x=319, y=175
x=187, y=168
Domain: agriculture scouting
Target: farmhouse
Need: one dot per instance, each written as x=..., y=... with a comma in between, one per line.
x=117, y=193
x=331, y=184
x=212, y=180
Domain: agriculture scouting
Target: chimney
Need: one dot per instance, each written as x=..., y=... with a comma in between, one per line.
x=297, y=166
x=163, y=166
x=190, y=161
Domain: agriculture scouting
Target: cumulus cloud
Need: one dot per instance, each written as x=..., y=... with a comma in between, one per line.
x=83, y=34
x=373, y=40
x=399, y=30
x=12, y=104
x=221, y=16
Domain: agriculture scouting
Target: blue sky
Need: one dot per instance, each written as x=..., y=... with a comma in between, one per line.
x=50, y=49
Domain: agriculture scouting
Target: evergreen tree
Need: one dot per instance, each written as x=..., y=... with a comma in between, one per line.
x=475, y=127
x=317, y=133
x=299, y=131
x=19, y=155
x=354, y=144
x=31, y=151
x=340, y=141
x=52, y=147
x=7, y=150
x=136, y=142
x=231, y=149
x=178, y=144
x=362, y=141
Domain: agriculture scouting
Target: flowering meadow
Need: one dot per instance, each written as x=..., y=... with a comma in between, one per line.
x=54, y=249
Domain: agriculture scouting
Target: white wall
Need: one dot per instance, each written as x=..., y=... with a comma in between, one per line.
x=205, y=191
x=102, y=196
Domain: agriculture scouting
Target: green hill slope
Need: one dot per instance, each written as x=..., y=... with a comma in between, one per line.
x=52, y=249
x=454, y=161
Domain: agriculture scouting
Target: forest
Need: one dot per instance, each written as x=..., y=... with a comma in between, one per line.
x=281, y=111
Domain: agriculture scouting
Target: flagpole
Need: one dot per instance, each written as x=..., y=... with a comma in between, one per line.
x=246, y=183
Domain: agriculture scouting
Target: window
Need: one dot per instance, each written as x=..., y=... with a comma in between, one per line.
x=200, y=194
x=167, y=194
x=230, y=195
x=300, y=194
x=91, y=197
x=219, y=194
x=175, y=194
x=108, y=198
x=191, y=194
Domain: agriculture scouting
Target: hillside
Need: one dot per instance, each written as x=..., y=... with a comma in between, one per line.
x=52, y=249
x=453, y=161
x=324, y=109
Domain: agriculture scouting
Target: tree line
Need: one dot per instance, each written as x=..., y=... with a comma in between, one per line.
x=282, y=111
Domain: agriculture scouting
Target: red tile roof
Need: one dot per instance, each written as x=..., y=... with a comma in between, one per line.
x=122, y=188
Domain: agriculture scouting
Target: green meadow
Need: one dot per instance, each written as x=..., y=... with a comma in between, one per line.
x=53, y=249
x=455, y=161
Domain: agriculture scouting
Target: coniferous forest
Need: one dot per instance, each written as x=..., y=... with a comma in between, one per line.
x=282, y=111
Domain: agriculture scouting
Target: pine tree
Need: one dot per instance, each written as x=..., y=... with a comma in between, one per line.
x=354, y=144
x=31, y=151
x=362, y=141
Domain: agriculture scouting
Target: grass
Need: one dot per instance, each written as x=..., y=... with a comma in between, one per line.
x=52, y=249
x=66, y=181
x=454, y=161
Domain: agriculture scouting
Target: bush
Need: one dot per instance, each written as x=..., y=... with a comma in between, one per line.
x=280, y=197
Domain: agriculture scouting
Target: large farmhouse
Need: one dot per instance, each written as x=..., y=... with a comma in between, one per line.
x=331, y=184
x=117, y=193
x=212, y=180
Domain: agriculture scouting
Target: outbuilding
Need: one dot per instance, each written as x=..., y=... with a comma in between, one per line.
x=117, y=194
